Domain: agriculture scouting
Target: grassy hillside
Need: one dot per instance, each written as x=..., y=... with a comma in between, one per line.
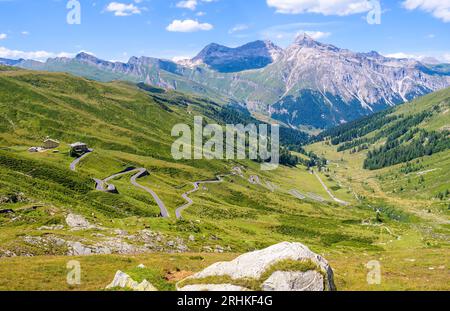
x=407, y=147
x=414, y=130
x=130, y=127
x=415, y=188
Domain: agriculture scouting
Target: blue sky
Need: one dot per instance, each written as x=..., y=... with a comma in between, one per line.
x=117, y=30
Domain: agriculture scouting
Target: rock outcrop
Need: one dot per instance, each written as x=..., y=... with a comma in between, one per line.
x=78, y=222
x=254, y=267
x=124, y=281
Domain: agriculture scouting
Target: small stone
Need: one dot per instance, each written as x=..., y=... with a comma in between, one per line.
x=123, y=280
x=145, y=286
x=218, y=249
x=207, y=249
x=52, y=227
x=120, y=232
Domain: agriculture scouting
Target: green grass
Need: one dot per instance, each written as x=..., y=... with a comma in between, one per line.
x=128, y=126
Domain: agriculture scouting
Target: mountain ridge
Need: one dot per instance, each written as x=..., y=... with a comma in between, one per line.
x=308, y=83
x=253, y=55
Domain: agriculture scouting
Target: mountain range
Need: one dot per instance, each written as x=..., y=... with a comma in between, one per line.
x=308, y=83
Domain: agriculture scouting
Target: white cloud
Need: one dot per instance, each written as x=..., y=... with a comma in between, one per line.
x=187, y=4
x=441, y=56
x=401, y=55
x=122, y=9
x=25, y=33
x=191, y=4
x=325, y=7
x=177, y=59
x=446, y=58
x=438, y=8
x=3, y=36
x=36, y=55
x=317, y=35
x=285, y=34
x=188, y=25
x=237, y=28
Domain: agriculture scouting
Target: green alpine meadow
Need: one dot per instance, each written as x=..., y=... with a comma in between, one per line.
x=398, y=213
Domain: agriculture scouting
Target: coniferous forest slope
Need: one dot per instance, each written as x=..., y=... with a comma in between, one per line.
x=407, y=133
x=396, y=213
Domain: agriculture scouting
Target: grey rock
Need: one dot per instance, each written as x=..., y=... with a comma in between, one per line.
x=121, y=232
x=254, y=264
x=207, y=249
x=52, y=227
x=294, y=281
x=123, y=280
x=78, y=222
x=78, y=249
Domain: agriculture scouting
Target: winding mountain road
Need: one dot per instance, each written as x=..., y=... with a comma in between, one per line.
x=297, y=194
x=73, y=165
x=196, y=188
x=329, y=191
x=139, y=172
x=101, y=185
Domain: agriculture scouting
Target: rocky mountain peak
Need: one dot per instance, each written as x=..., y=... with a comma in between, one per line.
x=304, y=38
x=83, y=56
x=253, y=55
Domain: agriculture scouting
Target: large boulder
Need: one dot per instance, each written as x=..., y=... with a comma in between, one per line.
x=281, y=267
x=294, y=281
